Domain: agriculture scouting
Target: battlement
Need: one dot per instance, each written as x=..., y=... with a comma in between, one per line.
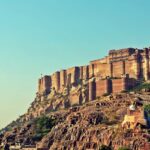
x=127, y=51
x=131, y=61
x=122, y=54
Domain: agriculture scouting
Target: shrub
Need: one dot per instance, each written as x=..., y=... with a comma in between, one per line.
x=147, y=113
x=104, y=147
x=43, y=125
x=141, y=86
x=123, y=148
x=105, y=94
x=147, y=109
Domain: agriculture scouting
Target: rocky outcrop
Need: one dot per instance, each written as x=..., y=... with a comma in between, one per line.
x=89, y=126
x=95, y=124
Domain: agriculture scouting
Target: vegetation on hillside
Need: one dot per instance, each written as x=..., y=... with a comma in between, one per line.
x=104, y=147
x=147, y=113
x=147, y=109
x=142, y=86
x=43, y=125
x=123, y=148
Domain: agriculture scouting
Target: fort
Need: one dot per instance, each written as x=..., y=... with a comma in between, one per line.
x=119, y=71
x=89, y=106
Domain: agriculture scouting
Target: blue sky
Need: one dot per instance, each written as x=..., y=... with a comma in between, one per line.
x=42, y=36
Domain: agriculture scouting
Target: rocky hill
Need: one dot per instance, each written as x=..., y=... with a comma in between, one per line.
x=121, y=70
x=104, y=104
x=89, y=126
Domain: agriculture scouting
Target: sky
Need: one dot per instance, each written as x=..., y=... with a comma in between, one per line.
x=43, y=36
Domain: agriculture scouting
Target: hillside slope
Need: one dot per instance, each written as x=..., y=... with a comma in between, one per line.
x=89, y=126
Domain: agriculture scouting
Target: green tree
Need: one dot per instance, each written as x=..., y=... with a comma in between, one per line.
x=43, y=125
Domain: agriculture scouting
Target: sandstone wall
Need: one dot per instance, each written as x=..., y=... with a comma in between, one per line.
x=63, y=79
x=73, y=74
x=84, y=72
x=56, y=80
x=118, y=68
x=92, y=90
x=135, y=62
x=44, y=84
x=145, y=63
x=123, y=84
x=91, y=70
x=102, y=87
x=102, y=70
x=118, y=85
x=102, y=60
x=133, y=67
x=123, y=54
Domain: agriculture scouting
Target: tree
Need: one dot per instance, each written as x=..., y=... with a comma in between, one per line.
x=43, y=125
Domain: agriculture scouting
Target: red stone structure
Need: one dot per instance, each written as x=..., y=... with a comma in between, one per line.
x=110, y=73
x=92, y=90
x=103, y=87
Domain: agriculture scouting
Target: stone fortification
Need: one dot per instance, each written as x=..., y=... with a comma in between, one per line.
x=113, y=73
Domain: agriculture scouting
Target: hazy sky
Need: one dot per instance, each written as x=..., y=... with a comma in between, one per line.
x=42, y=36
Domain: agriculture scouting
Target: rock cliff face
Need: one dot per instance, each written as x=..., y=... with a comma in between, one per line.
x=89, y=126
x=88, y=105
